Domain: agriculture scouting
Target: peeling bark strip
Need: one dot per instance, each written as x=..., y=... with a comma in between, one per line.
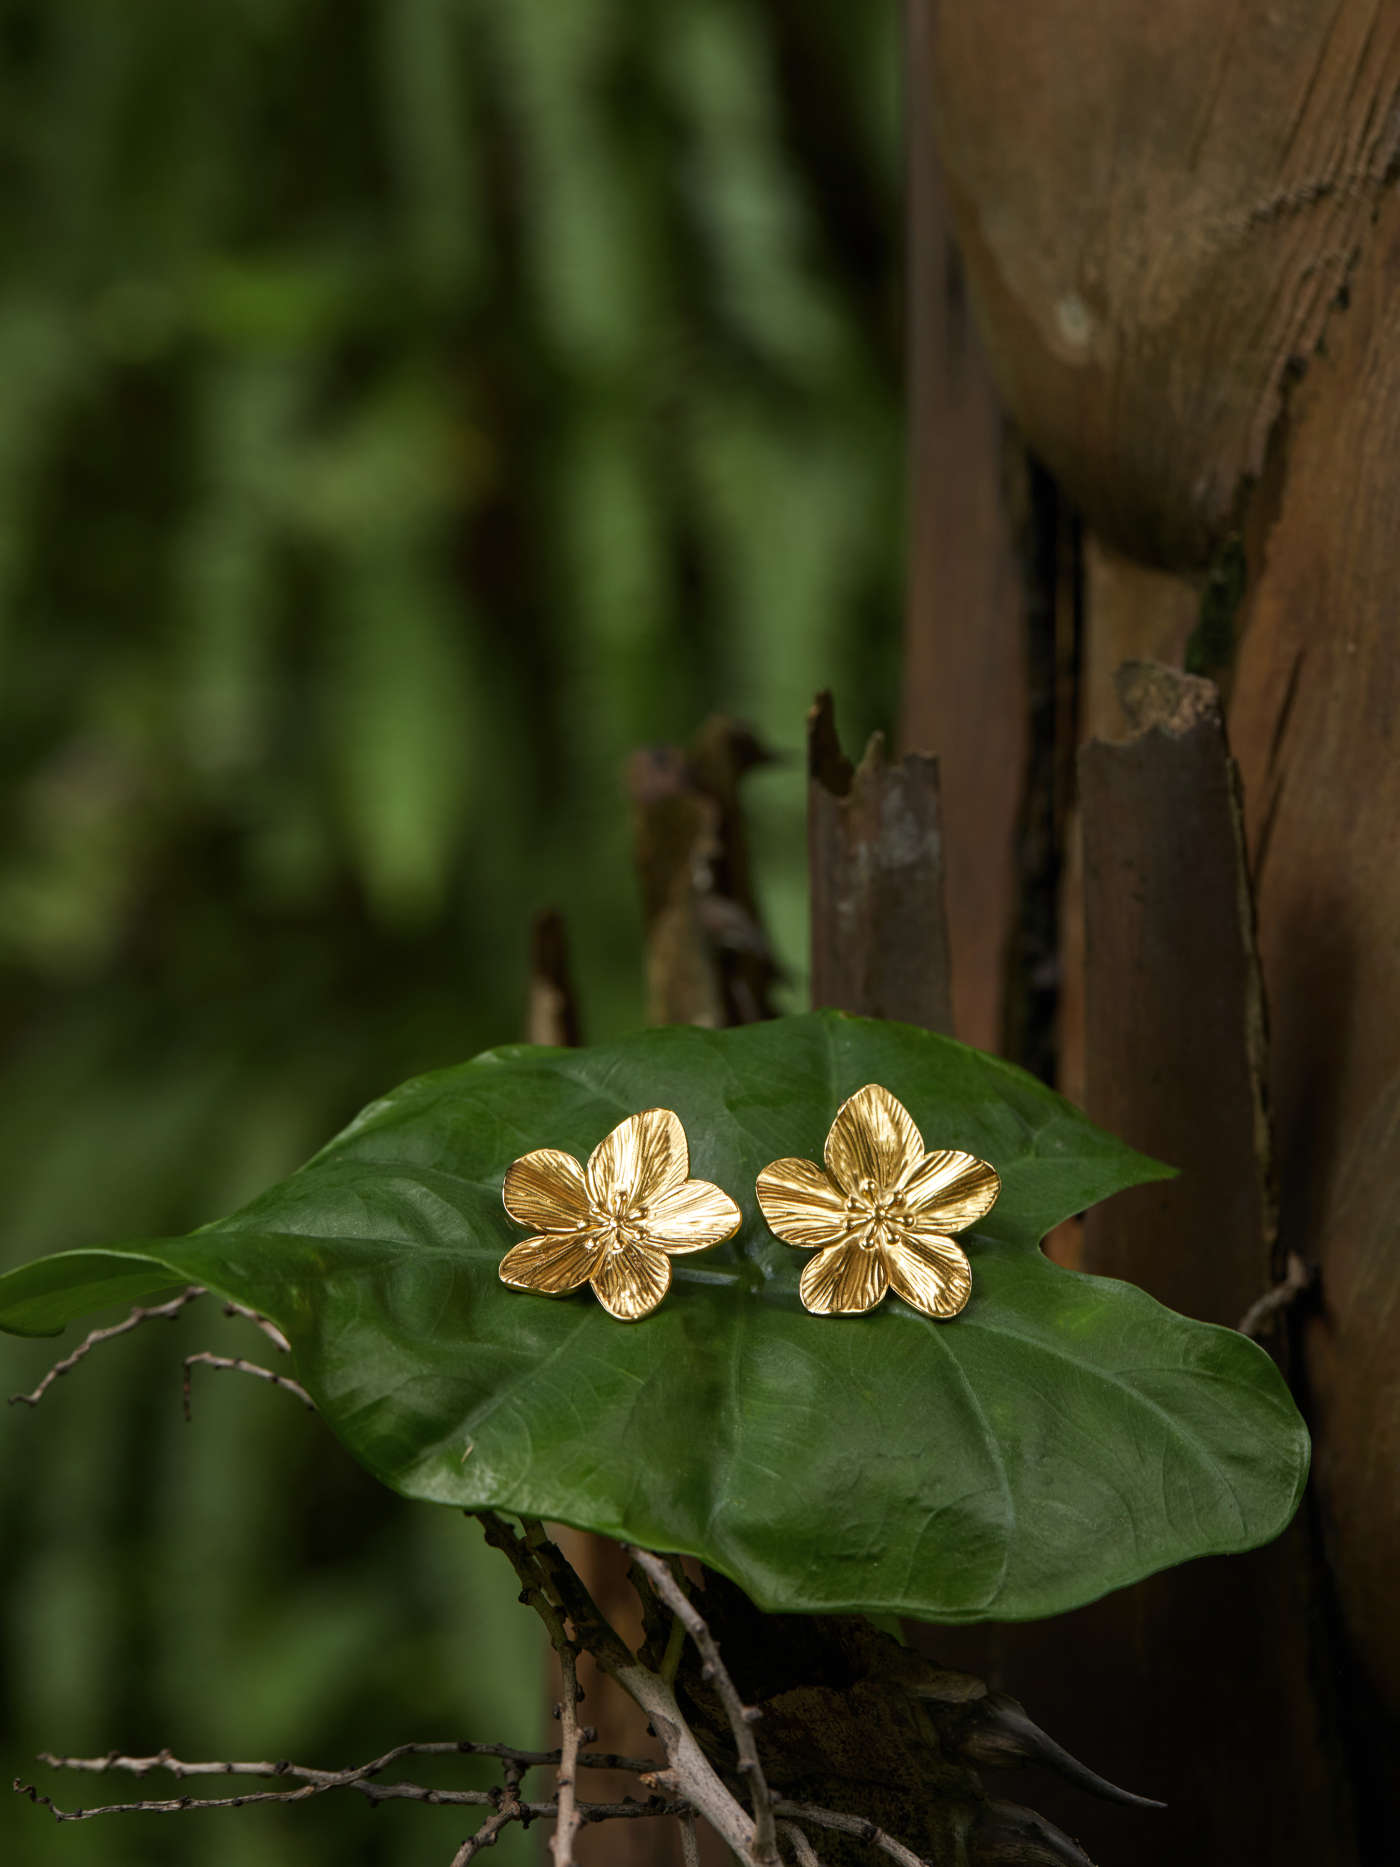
x=875, y=843
x=1174, y=1022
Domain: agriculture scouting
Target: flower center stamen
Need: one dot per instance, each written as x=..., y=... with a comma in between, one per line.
x=625, y=1223
x=876, y=1217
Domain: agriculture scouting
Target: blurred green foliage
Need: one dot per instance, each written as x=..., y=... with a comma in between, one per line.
x=406, y=407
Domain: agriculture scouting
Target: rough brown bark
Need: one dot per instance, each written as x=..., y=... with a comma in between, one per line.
x=1211, y=214
x=1315, y=718
x=875, y=848
x=1159, y=206
x=1198, y=1685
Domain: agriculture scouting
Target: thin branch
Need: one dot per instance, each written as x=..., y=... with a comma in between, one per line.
x=547, y=1577
x=690, y=1842
x=452, y=1747
x=566, y=1827
x=508, y=1810
x=855, y=1825
x=807, y=1855
x=142, y=1313
x=240, y=1366
x=741, y=1717
x=627, y=1810
x=265, y=1323
x=1258, y=1319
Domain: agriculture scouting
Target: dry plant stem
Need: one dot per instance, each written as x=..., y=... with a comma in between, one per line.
x=690, y=1842
x=851, y=1825
x=508, y=1810
x=142, y=1313
x=740, y=1716
x=240, y=1366
x=259, y=1321
x=806, y=1855
x=1259, y=1318
x=546, y=1576
x=566, y=1825
x=373, y=1792
x=168, y=1311
x=452, y=1747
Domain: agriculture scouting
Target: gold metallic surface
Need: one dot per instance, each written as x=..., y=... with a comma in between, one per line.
x=878, y=1218
x=617, y=1223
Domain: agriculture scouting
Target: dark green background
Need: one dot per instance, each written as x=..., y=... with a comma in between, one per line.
x=405, y=409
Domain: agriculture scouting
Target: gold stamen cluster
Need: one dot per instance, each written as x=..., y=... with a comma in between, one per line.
x=879, y=1216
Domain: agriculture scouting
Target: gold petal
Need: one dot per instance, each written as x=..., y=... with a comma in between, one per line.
x=691, y=1217
x=642, y=1158
x=546, y=1190
x=930, y=1273
x=872, y=1139
x=949, y=1190
x=550, y=1264
x=844, y=1281
x=802, y=1204
x=631, y=1282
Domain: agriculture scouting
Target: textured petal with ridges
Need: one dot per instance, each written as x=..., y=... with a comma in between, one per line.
x=802, y=1204
x=931, y=1274
x=692, y=1217
x=630, y=1283
x=845, y=1280
x=546, y=1190
x=872, y=1138
x=643, y=1157
x=950, y=1190
x=552, y=1264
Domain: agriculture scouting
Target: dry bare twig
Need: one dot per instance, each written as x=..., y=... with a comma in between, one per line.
x=508, y=1810
x=259, y=1321
x=1260, y=1317
x=855, y=1825
x=566, y=1825
x=141, y=1313
x=239, y=1366
x=741, y=1717
x=373, y=1792
x=449, y=1747
x=806, y=1854
x=690, y=1841
x=505, y=1803
x=546, y=1576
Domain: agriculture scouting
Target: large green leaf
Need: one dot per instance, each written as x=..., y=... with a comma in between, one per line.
x=1065, y=1435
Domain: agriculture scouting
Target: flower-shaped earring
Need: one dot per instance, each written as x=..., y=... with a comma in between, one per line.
x=879, y=1217
x=617, y=1223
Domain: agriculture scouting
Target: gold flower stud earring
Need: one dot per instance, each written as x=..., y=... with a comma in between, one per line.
x=880, y=1215
x=617, y=1223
